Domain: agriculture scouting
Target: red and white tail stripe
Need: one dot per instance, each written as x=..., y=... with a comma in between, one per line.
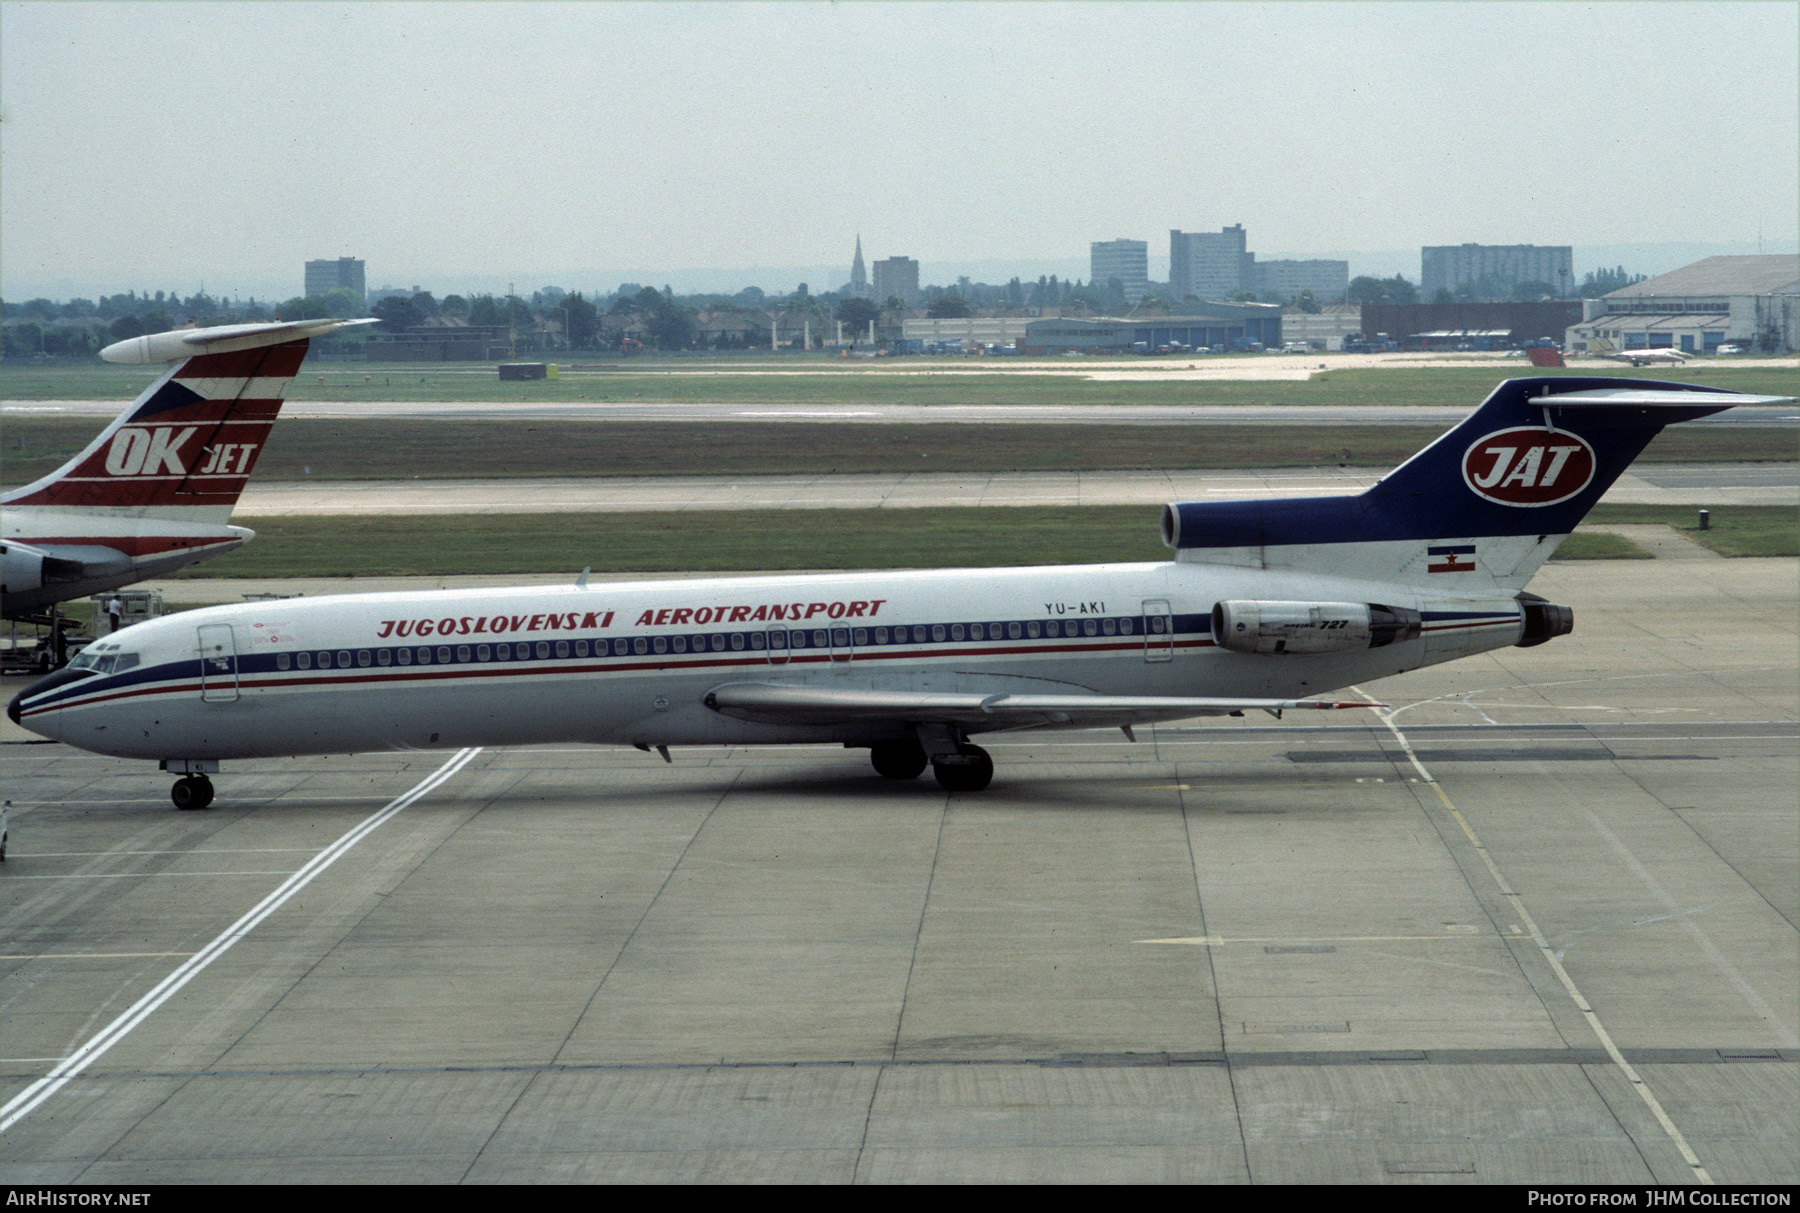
x=191, y=440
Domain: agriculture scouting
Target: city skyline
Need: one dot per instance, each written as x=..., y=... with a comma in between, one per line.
x=457, y=145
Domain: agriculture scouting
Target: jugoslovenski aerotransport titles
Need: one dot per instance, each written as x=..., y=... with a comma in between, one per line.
x=1268, y=604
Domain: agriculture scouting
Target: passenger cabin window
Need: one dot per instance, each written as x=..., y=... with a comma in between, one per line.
x=482, y=652
x=581, y=648
x=405, y=656
x=324, y=661
x=937, y=631
x=304, y=660
x=737, y=641
x=443, y=653
x=424, y=656
x=660, y=644
x=363, y=657
x=462, y=652
x=283, y=661
x=384, y=656
x=562, y=648
x=543, y=648
x=1032, y=629
x=681, y=644
x=343, y=659
x=640, y=645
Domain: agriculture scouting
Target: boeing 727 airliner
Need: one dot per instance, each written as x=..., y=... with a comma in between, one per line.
x=1267, y=605
x=153, y=491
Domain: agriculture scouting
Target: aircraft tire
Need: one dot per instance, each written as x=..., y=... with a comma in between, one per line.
x=898, y=759
x=192, y=792
x=968, y=771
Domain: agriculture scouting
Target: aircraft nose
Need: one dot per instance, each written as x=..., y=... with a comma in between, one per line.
x=48, y=682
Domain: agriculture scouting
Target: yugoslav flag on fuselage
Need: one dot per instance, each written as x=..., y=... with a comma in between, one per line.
x=187, y=446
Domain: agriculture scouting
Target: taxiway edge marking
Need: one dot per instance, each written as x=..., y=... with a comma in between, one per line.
x=28, y=1100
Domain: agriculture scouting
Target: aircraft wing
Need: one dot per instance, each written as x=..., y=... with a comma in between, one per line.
x=798, y=703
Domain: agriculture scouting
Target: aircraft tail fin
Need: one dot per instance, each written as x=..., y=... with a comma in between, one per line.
x=186, y=447
x=1480, y=509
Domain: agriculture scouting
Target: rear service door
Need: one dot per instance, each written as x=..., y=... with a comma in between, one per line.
x=218, y=663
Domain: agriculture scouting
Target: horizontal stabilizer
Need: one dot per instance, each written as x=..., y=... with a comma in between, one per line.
x=220, y=339
x=798, y=703
x=1639, y=398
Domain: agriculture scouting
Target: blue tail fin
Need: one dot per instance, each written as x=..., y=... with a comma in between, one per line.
x=1486, y=504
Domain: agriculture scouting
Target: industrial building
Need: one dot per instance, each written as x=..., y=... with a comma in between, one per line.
x=1749, y=301
x=1502, y=266
x=340, y=274
x=1126, y=260
x=897, y=276
x=970, y=330
x=1324, y=329
x=1479, y=325
x=1218, y=265
x=1220, y=326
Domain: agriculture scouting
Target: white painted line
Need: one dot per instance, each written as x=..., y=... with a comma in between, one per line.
x=148, y=875
x=1550, y=954
x=22, y=1104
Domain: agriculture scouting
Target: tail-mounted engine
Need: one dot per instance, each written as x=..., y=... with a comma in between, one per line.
x=1310, y=627
x=1543, y=620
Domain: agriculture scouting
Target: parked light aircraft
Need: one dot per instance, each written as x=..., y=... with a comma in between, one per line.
x=1267, y=604
x=153, y=491
x=1600, y=347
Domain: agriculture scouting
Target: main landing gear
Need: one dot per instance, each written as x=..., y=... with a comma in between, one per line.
x=192, y=792
x=967, y=768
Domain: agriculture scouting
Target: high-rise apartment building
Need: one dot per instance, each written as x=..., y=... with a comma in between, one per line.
x=897, y=276
x=343, y=273
x=1504, y=266
x=1126, y=260
x=1208, y=265
x=1327, y=280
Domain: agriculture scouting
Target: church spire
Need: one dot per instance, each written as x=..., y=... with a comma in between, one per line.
x=859, y=277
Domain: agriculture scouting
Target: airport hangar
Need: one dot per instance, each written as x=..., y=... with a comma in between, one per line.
x=1748, y=301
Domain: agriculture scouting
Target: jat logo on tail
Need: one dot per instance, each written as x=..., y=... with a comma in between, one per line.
x=1528, y=467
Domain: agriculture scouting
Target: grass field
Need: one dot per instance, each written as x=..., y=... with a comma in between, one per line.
x=383, y=449
x=1735, y=531
x=903, y=381
x=811, y=539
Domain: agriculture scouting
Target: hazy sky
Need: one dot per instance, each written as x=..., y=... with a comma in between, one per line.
x=165, y=144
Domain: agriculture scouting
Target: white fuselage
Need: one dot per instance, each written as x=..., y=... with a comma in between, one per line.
x=631, y=663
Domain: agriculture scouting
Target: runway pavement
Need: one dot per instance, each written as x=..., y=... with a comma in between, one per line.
x=1649, y=484
x=1231, y=952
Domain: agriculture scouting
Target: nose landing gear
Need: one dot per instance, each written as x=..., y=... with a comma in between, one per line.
x=192, y=792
